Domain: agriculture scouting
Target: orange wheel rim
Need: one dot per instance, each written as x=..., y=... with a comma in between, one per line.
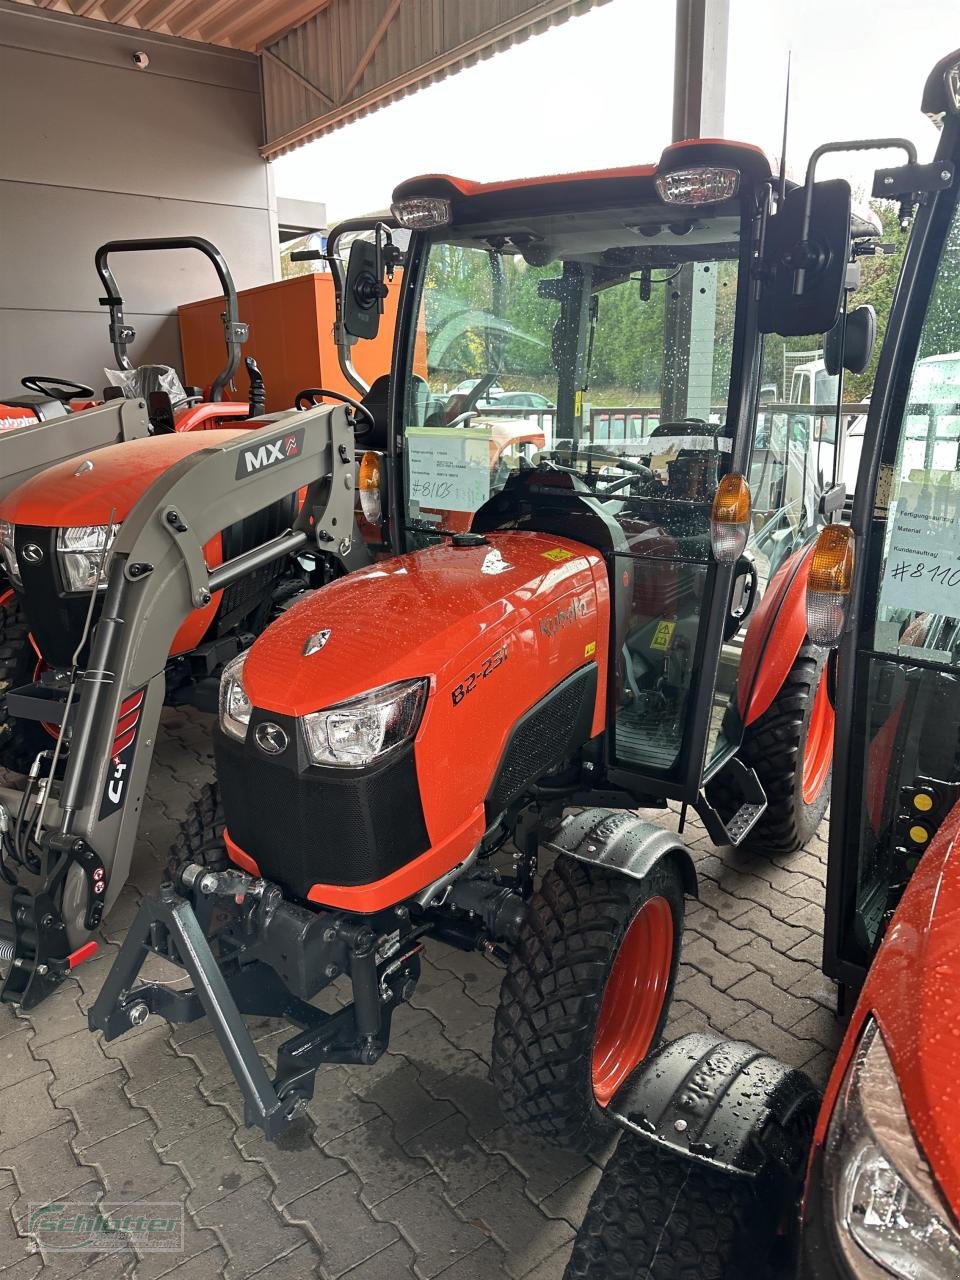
x=818, y=751
x=633, y=998
x=40, y=666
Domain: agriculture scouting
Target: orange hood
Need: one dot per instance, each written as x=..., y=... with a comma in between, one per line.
x=70, y=493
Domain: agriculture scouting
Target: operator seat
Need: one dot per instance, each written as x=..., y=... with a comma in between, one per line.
x=377, y=400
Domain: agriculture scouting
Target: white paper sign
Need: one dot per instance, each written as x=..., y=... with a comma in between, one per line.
x=448, y=468
x=922, y=570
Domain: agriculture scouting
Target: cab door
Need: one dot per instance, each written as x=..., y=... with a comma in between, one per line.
x=897, y=761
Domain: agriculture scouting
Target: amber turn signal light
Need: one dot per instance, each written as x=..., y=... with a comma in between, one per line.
x=730, y=519
x=368, y=486
x=829, y=584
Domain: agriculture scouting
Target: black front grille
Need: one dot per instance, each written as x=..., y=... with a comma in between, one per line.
x=545, y=737
x=305, y=825
x=246, y=595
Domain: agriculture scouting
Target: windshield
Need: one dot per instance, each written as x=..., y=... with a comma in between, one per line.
x=578, y=330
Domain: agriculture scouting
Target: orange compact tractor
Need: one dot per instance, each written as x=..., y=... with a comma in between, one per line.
x=709, y=1174
x=171, y=406
x=396, y=750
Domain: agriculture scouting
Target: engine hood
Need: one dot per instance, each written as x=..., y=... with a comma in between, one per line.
x=74, y=493
x=422, y=614
x=913, y=990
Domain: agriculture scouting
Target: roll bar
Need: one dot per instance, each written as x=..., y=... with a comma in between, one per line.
x=122, y=334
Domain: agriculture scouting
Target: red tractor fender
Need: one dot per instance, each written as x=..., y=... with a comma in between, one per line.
x=775, y=632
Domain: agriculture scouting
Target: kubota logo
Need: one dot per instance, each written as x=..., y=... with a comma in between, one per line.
x=564, y=617
x=270, y=453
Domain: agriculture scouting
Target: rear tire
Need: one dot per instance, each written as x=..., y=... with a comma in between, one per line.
x=20, y=740
x=789, y=748
x=554, y=1072
x=657, y=1216
x=201, y=834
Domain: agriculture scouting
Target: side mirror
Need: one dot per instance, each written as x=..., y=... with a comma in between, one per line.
x=819, y=258
x=364, y=290
x=849, y=344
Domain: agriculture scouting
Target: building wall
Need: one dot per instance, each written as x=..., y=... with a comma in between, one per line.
x=93, y=149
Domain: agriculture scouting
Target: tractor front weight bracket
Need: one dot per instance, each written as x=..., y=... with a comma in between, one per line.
x=226, y=991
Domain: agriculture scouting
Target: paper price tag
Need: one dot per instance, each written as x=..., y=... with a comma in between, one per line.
x=922, y=569
x=449, y=467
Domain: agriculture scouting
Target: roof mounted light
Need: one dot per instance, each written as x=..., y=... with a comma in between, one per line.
x=423, y=212
x=703, y=184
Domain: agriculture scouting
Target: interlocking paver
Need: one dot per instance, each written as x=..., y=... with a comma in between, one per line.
x=420, y=1137
x=374, y=1154
x=252, y=1232
x=343, y=1227
x=75, y=1059
x=27, y=1109
x=462, y=1163
x=526, y=1234
x=438, y=1234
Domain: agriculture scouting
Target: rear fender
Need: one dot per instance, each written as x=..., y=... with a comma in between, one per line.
x=720, y=1102
x=620, y=841
x=775, y=633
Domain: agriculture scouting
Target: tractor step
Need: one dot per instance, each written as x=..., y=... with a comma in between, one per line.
x=732, y=829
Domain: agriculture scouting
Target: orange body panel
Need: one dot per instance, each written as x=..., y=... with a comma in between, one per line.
x=120, y=474
x=445, y=613
x=291, y=338
x=63, y=495
x=913, y=991
x=209, y=416
x=775, y=632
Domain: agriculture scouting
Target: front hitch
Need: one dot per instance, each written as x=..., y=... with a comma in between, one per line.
x=264, y=936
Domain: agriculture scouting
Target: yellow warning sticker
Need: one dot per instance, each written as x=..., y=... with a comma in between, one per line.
x=578, y=404
x=663, y=637
x=590, y=649
x=557, y=554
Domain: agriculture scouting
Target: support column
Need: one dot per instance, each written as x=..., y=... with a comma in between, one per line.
x=699, y=100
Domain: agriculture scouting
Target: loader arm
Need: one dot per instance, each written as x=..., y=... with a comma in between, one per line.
x=156, y=576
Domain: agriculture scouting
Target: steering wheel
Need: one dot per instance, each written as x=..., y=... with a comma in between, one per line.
x=61, y=389
x=307, y=398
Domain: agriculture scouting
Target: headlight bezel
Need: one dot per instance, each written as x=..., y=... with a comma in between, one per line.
x=393, y=714
x=231, y=684
x=873, y=1165
x=8, y=552
x=80, y=550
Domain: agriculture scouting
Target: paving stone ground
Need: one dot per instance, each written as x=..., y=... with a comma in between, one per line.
x=403, y=1169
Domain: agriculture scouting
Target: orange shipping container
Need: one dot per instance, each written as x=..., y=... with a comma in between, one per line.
x=291, y=338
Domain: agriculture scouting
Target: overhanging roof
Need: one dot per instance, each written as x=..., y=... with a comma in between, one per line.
x=353, y=56
x=231, y=23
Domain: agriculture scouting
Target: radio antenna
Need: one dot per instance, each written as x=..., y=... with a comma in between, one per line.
x=786, y=122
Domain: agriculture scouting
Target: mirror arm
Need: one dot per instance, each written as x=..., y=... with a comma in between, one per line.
x=804, y=249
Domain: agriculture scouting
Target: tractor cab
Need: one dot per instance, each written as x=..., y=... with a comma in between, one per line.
x=641, y=285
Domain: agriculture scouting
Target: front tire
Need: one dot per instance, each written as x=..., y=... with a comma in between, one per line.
x=201, y=834
x=20, y=740
x=658, y=1216
x=585, y=996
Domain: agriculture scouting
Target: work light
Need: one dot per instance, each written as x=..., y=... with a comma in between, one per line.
x=701, y=185
x=423, y=212
x=8, y=552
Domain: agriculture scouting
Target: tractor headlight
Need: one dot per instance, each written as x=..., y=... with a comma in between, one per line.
x=80, y=552
x=358, y=732
x=235, y=707
x=887, y=1208
x=8, y=553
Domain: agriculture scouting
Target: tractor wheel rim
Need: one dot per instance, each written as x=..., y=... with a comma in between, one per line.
x=818, y=749
x=633, y=998
x=40, y=666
